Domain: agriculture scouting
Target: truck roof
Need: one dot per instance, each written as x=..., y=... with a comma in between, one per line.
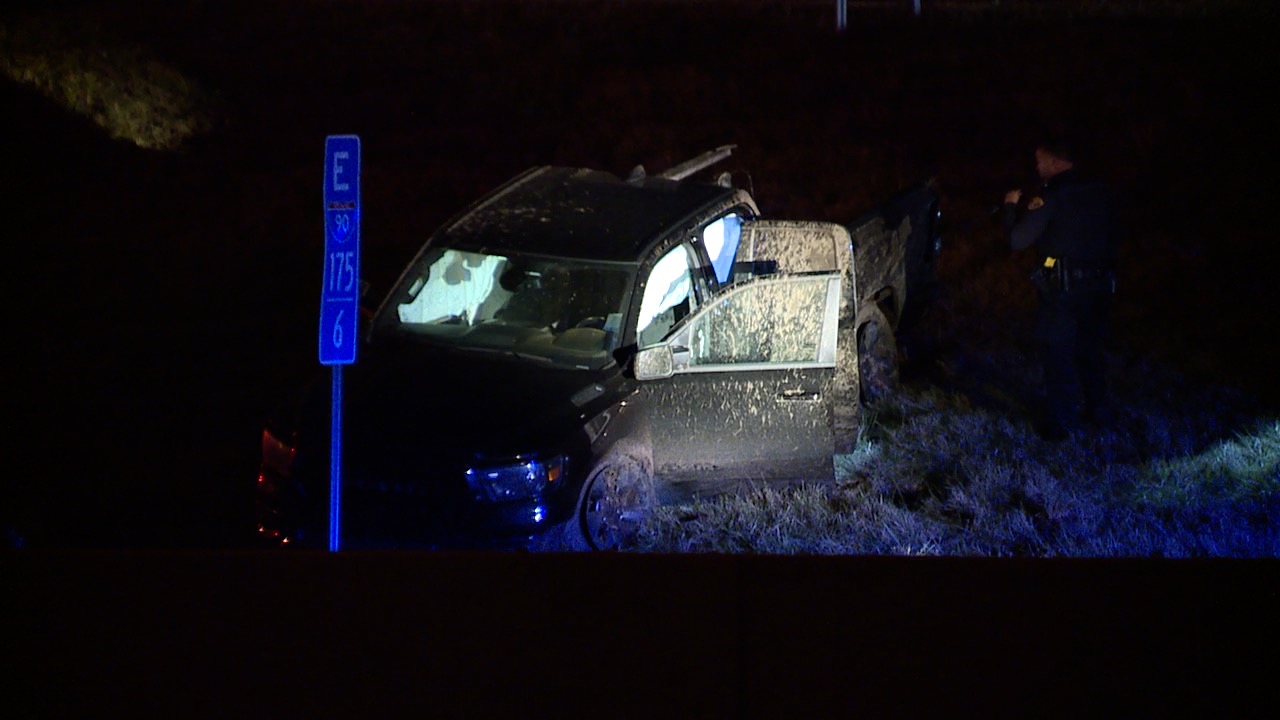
x=576, y=212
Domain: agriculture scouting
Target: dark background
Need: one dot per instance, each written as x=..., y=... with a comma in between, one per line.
x=166, y=301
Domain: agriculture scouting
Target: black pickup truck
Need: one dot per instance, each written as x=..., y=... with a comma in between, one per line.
x=576, y=347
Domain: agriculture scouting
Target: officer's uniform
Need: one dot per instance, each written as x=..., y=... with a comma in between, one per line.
x=1071, y=223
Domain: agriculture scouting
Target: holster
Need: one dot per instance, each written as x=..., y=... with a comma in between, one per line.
x=1065, y=276
x=1047, y=279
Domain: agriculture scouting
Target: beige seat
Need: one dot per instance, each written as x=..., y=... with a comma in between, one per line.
x=573, y=346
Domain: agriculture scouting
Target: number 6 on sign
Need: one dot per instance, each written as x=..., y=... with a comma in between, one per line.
x=337, y=330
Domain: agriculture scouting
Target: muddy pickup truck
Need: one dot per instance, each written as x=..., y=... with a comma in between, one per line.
x=576, y=347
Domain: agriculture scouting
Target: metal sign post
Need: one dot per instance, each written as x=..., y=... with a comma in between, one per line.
x=339, y=294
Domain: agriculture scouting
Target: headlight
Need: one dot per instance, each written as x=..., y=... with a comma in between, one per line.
x=276, y=453
x=517, y=481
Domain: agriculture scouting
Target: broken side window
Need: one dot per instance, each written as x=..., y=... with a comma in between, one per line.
x=668, y=297
x=721, y=241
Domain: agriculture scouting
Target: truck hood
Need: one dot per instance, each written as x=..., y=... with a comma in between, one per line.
x=416, y=399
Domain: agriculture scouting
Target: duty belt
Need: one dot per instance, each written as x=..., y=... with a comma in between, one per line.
x=1078, y=274
x=1061, y=275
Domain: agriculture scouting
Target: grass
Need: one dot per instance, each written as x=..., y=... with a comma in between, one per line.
x=71, y=60
x=1241, y=468
x=934, y=474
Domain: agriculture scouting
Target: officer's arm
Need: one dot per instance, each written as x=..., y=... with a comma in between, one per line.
x=1024, y=231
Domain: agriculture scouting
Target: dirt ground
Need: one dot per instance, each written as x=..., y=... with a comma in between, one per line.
x=165, y=301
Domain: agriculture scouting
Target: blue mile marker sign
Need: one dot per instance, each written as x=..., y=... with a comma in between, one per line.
x=339, y=295
x=340, y=289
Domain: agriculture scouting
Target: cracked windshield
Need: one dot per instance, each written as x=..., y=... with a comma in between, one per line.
x=552, y=310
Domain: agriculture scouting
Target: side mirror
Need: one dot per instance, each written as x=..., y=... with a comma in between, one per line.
x=655, y=363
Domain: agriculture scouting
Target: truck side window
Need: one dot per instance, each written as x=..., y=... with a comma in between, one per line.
x=668, y=297
x=764, y=322
x=721, y=240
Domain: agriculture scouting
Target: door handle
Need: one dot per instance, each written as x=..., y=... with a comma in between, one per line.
x=800, y=394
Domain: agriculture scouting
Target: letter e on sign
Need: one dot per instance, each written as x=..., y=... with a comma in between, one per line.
x=338, y=157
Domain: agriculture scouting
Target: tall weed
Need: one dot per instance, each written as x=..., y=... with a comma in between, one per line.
x=934, y=475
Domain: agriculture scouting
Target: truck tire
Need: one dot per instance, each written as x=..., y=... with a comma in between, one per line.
x=614, y=504
x=877, y=358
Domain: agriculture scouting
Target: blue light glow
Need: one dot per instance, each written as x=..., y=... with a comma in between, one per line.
x=335, y=463
x=340, y=285
x=517, y=481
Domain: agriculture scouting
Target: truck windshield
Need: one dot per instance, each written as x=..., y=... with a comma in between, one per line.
x=554, y=310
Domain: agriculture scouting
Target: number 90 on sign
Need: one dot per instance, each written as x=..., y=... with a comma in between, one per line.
x=340, y=225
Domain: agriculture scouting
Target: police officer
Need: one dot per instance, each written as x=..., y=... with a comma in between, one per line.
x=1070, y=222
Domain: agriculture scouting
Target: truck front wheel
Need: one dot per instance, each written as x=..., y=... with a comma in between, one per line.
x=614, y=504
x=877, y=360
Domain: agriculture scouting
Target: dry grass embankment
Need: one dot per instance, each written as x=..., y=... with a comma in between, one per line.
x=72, y=60
x=935, y=475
